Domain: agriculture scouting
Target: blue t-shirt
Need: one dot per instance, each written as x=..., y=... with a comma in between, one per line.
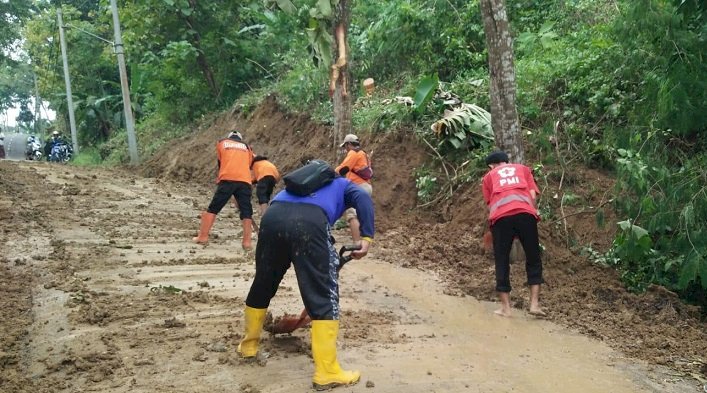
x=334, y=199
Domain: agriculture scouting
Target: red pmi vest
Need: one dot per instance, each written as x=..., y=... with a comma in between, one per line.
x=507, y=188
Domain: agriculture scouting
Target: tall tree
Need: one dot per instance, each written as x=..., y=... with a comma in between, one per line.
x=340, y=86
x=14, y=85
x=195, y=40
x=327, y=32
x=504, y=115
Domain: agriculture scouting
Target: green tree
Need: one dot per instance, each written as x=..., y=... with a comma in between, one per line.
x=92, y=67
x=14, y=86
x=189, y=56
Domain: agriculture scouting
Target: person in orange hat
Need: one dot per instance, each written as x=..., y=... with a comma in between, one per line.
x=234, y=179
x=357, y=168
x=265, y=176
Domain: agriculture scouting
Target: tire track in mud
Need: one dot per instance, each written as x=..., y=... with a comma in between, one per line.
x=121, y=301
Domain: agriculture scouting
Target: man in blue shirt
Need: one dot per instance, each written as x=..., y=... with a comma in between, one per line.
x=297, y=229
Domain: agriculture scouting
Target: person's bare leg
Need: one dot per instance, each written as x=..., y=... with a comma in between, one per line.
x=534, y=301
x=355, y=228
x=505, y=310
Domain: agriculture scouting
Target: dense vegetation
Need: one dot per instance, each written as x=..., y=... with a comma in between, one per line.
x=612, y=84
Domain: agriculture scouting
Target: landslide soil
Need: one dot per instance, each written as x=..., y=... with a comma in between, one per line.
x=101, y=290
x=446, y=238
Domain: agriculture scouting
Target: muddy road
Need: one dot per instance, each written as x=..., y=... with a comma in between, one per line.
x=102, y=291
x=15, y=145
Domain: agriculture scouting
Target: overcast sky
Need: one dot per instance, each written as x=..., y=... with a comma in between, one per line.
x=8, y=118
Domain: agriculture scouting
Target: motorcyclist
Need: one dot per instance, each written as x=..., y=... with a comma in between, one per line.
x=33, y=145
x=55, y=140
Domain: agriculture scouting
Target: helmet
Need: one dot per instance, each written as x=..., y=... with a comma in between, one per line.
x=55, y=133
x=236, y=134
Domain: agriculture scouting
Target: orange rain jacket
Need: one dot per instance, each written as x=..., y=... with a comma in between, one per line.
x=234, y=160
x=262, y=168
x=355, y=160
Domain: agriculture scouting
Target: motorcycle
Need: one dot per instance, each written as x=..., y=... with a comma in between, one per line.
x=61, y=152
x=34, y=151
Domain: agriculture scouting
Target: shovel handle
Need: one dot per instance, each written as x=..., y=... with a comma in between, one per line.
x=290, y=325
x=344, y=249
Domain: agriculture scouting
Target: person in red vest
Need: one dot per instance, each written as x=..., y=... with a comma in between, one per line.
x=235, y=158
x=510, y=192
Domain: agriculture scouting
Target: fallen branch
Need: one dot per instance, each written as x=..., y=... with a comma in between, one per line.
x=441, y=160
x=591, y=210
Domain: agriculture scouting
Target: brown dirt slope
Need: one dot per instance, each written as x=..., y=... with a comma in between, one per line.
x=445, y=238
x=287, y=140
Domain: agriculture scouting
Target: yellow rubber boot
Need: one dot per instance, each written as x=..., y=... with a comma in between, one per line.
x=254, y=320
x=327, y=372
x=247, y=234
x=207, y=221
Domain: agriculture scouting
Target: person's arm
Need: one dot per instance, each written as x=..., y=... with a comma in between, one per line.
x=486, y=188
x=347, y=164
x=356, y=197
x=218, y=155
x=533, y=188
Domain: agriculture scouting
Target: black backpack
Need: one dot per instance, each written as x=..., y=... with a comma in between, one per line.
x=309, y=178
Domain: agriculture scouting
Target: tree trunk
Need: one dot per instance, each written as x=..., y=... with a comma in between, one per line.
x=340, y=88
x=201, y=60
x=504, y=116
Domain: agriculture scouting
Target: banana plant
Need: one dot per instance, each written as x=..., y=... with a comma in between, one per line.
x=321, y=17
x=465, y=124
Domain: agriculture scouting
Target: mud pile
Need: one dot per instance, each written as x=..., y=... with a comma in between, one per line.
x=288, y=140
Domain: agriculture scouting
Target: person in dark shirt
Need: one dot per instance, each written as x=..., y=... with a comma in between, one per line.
x=297, y=230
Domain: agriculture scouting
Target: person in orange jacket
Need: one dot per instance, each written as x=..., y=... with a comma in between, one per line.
x=357, y=168
x=265, y=176
x=510, y=192
x=234, y=179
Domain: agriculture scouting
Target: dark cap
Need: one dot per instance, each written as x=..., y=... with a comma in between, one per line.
x=496, y=157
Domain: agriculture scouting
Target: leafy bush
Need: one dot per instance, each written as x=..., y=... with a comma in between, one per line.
x=88, y=156
x=152, y=134
x=426, y=184
x=671, y=204
x=632, y=251
x=450, y=37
